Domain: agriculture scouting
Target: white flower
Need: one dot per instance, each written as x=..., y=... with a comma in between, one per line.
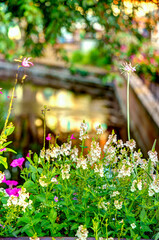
x=82, y=232
x=151, y=192
x=114, y=194
x=74, y=154
x=95, y=153
x=12, y=200
x=82, y=162
x=118, y=204
x=139, y=185
x=2, y=175
x=42, y=181
x=103, y=205
x=54, y=180
x=133, y=225
x=99, y=129
x=124, y=171
x=42, y=153
x=65, y=149
x=55, y=152
x=131, y=144
x=153, y=156
x=65, y=171
x=83, y=131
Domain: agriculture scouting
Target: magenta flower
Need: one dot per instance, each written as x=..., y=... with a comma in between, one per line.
x=0, y=91
x=3, y=149
x=13, y=191
x=28, y=155
x=26, y=62
x=72, y=137
x=56, y=199
x=17, y=162
x=11, y=183
x=48, y=137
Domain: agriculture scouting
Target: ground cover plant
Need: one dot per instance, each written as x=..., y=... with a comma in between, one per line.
x=109, y=193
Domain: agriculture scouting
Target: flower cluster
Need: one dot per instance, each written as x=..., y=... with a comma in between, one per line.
x=42, y=181
x=22, y=200
x=82, y=233
x=83, y=131
x=65, y=171
x=118, y=204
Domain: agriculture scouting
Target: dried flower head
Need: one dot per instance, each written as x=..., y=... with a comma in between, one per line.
x=127, y=68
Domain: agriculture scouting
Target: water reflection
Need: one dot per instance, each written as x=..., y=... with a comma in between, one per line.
x=67, y=109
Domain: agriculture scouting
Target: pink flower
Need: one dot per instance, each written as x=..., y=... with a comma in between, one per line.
x=152, y=61
x=13, y=191
x=0, y=91
x=48, y=137
x=26, y=62
x=17, y=162
x=72, y=137
x=56, y=199
x=11, y=183
x=123, y=48
x=28, y=155
x=3, y=149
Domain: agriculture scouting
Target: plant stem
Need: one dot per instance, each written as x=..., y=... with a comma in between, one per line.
x=10, y=107
x=128, y=117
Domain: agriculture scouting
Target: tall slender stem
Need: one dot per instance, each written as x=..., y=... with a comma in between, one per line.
x=44, y=129
x=10, y=107
x=128, y=116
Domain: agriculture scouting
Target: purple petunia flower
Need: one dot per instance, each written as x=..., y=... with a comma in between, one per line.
x=56, y=199
x=75, y=198
x=13, y=191
x=11, y=183
x=18, y=162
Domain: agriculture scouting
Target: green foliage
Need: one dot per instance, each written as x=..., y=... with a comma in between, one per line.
x=41, y=21
x=108, y=194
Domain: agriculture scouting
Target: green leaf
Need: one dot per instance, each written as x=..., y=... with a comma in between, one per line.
x=33, y=177
x=33, y=169
x=9, y=131
x=146, y=229
x=52, y=216
x=74, y=226
x=40, y=170
x=29, y=185
x=3, y=161
x=23, y=219
x=11, y=150
x=41, y=198
x=154, y=145
x=143, y=215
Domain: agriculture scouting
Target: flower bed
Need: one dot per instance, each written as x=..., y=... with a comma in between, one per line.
x=111, y=192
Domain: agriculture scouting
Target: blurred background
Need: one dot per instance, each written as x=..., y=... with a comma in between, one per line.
x=77, y=47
